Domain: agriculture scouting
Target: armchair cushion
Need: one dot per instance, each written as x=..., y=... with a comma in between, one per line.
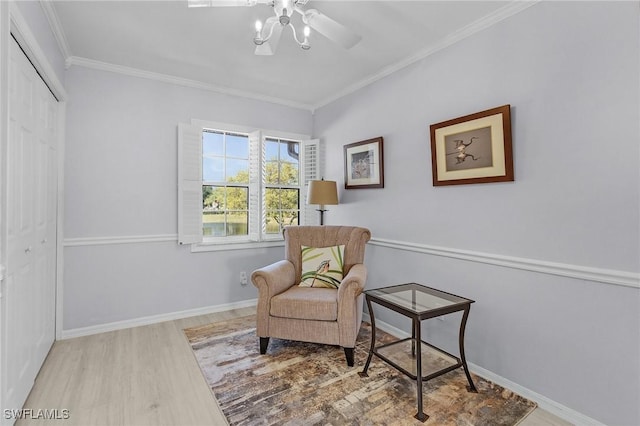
x=322, y=266
x=319, y=304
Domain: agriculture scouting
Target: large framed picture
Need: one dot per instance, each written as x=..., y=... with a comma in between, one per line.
x=475, y=148
x=363, y=164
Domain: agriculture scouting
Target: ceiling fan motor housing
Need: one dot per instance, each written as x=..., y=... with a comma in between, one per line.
x=284, y=10
x=284, y=19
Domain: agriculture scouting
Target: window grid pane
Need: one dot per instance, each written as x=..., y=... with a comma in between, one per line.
x=225, y=210
x=282, y=208
x=237, y=223
x=225, y=157
x=281, y=180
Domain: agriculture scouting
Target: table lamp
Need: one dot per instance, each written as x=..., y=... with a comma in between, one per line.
x=322, y=192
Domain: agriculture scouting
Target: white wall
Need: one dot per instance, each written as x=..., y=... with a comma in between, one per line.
x=570, y=71
x=121, y=180
x=37, y=21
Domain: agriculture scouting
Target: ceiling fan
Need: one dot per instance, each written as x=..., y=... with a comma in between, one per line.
x=268, y=35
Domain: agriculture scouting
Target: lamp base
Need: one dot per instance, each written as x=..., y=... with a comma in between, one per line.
x=321, y=215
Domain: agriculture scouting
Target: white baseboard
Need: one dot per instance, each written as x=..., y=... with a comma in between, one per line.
x=543, y=402
x=555, y=408
x=153, y=319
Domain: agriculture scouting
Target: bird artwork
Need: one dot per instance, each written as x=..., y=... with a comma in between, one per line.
x=323, y=268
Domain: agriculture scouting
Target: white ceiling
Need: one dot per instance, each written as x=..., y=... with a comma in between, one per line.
x=213, y=47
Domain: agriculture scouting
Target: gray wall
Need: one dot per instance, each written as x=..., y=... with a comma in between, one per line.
x=121, y=182
x=570, y=71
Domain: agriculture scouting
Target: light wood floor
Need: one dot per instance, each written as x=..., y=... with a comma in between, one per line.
x=140, y=376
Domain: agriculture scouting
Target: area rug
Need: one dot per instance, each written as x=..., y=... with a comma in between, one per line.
x=297, y=383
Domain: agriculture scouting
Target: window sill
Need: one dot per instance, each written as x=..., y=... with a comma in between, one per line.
x=226, y=246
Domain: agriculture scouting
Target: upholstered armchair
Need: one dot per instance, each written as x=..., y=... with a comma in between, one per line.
x=324, y=315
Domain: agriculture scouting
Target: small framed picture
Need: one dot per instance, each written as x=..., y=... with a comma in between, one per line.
x=475, y=148
x=363, y=164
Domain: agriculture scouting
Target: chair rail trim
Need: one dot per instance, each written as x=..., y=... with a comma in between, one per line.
x=606, y=276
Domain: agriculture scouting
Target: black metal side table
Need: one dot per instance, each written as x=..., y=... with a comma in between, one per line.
x=418, y=302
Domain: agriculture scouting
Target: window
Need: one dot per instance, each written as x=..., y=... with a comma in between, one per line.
x=281, y=186
x=225, y=184
x=239, y=186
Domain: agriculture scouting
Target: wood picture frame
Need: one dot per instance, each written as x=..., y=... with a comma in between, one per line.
x=363, y=164
x=475, y=148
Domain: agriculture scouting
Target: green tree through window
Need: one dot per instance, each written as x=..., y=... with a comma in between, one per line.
x=281, y=184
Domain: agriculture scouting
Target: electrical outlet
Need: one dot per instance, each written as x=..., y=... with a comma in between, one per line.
x=243, y=278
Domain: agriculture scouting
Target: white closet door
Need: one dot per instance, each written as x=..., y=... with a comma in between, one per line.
x=28, y=300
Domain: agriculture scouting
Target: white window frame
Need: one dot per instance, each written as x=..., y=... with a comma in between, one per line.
x=190, y=185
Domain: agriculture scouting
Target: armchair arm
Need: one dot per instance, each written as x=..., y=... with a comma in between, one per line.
x=350, y=299
x=274, y=278
x=270, y=281
x=352, y=284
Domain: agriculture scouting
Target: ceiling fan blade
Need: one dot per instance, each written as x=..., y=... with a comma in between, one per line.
x=221, y=3
x=269, y=47
x=331, y=29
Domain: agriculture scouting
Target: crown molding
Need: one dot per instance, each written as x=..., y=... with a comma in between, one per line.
x=165, y=78
x=56, y=27
x=485, y=22
x=27, y=41
x=504, y=12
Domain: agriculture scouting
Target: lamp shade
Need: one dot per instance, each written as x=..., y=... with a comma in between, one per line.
x=322, y=192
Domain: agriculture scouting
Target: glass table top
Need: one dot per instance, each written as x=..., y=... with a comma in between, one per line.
x=416, y=297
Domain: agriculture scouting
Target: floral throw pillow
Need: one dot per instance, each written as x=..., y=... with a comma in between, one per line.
x=322, y=267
